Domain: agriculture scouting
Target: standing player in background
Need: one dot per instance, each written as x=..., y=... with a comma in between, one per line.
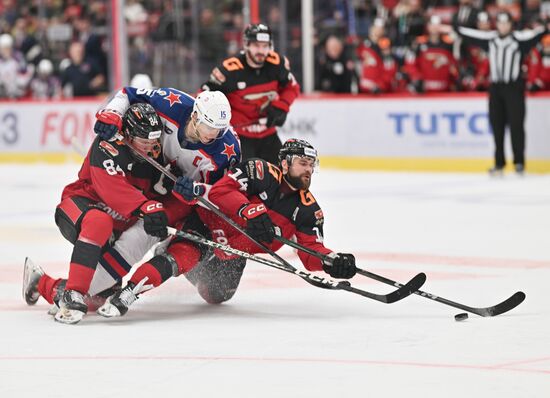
x=257, y=195
x=260, y=89
x=114, y=187
x=430, y=64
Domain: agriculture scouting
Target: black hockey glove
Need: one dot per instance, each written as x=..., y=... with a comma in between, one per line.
x=155, y=220
x=416, y=87
x=342, y=266
x=275, y=116
x=258, y=223
x=108, y=123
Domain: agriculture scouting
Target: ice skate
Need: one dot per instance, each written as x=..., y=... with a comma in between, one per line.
x=72, y=307
x=118, y=303
x=31, y=276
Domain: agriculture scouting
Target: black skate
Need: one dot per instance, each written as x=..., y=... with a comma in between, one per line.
x=72, y=307
x=31, y=275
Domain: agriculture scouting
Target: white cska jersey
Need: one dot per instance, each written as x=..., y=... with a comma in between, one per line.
x=202, y=162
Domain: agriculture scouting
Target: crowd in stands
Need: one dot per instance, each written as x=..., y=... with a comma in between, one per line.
x=59, y=48
x=399, y=48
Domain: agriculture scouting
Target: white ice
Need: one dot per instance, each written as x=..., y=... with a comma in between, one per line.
x=479, y=240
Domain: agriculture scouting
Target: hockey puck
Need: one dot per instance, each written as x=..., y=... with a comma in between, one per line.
x=461, y=317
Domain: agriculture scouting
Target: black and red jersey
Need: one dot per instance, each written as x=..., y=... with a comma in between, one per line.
x=251, y=90
x=433, y=63
x=111, y=177
x=295, y=212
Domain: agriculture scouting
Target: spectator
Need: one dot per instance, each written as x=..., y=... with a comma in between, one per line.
x=81, y=77
x=466, y=14
x=45, y=85
x=335, y=67
x=14, y=74
x=430, y=64
x=409, y=22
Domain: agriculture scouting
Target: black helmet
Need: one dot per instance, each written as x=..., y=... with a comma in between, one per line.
x=140, y=120
x=295, y=147
x=142, y=127
x=258, y=32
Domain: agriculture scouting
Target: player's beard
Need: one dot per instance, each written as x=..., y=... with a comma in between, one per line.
x=303, y=181
x=258, y=59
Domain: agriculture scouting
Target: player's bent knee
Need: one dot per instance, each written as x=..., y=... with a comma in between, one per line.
x=97, y=226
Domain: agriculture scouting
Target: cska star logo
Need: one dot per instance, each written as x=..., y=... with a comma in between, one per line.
x=173, y=98
x=229, y=151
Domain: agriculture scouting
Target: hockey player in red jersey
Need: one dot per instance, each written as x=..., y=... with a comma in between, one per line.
x=113, y=188
x=260, y=197
x=430, y=64
x=378, y=66
x=538, y=63
x=260, y=89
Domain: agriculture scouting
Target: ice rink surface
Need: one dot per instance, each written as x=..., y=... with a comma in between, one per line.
x=479, y=240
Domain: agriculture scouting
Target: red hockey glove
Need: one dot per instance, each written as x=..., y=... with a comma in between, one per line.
x=108, y=123
x=258, y=224
x=155, y=220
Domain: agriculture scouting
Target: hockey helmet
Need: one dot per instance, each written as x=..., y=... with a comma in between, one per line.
x=213, y=109
x=296, y=147
x=258, y=32
x=142, y=126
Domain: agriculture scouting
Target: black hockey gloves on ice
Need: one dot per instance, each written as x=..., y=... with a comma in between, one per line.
x=258, y=223
x=342, y=266
x=155, y=220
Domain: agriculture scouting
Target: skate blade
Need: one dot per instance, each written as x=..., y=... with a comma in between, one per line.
x=108, y=310
x=69, y=317
x=31, y=274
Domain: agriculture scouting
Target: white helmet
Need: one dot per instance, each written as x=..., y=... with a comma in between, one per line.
x=213, y=109
x=6, y=40
x=45, y=67
x=141, y=80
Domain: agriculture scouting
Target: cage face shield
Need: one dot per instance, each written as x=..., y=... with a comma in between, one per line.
x=149, y=146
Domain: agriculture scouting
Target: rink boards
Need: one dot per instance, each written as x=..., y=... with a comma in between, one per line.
x=431, y=133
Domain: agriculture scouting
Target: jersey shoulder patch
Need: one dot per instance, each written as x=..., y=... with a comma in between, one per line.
x=232, y=64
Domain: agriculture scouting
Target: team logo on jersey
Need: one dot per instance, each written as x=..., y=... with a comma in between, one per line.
x=261, y=100
x=108, y=148
x=241, y=85
x=173, y=98
x=229, y=151
x=259, y=169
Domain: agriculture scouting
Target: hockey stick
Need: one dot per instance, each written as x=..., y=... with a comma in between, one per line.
x=399, y=294
x=500, y=308
x=402, y=292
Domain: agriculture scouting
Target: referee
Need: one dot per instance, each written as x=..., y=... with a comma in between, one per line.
x=506, y=49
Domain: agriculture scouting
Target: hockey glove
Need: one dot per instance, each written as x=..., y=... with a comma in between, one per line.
x=258, y=223
x=341, y=267
x=416, y=87
x=275, y=116
x=155, y=220
x=188, y=190
x=108, y=123
x=533, y=87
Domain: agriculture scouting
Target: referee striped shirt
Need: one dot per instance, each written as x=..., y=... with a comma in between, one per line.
x=505, y=53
